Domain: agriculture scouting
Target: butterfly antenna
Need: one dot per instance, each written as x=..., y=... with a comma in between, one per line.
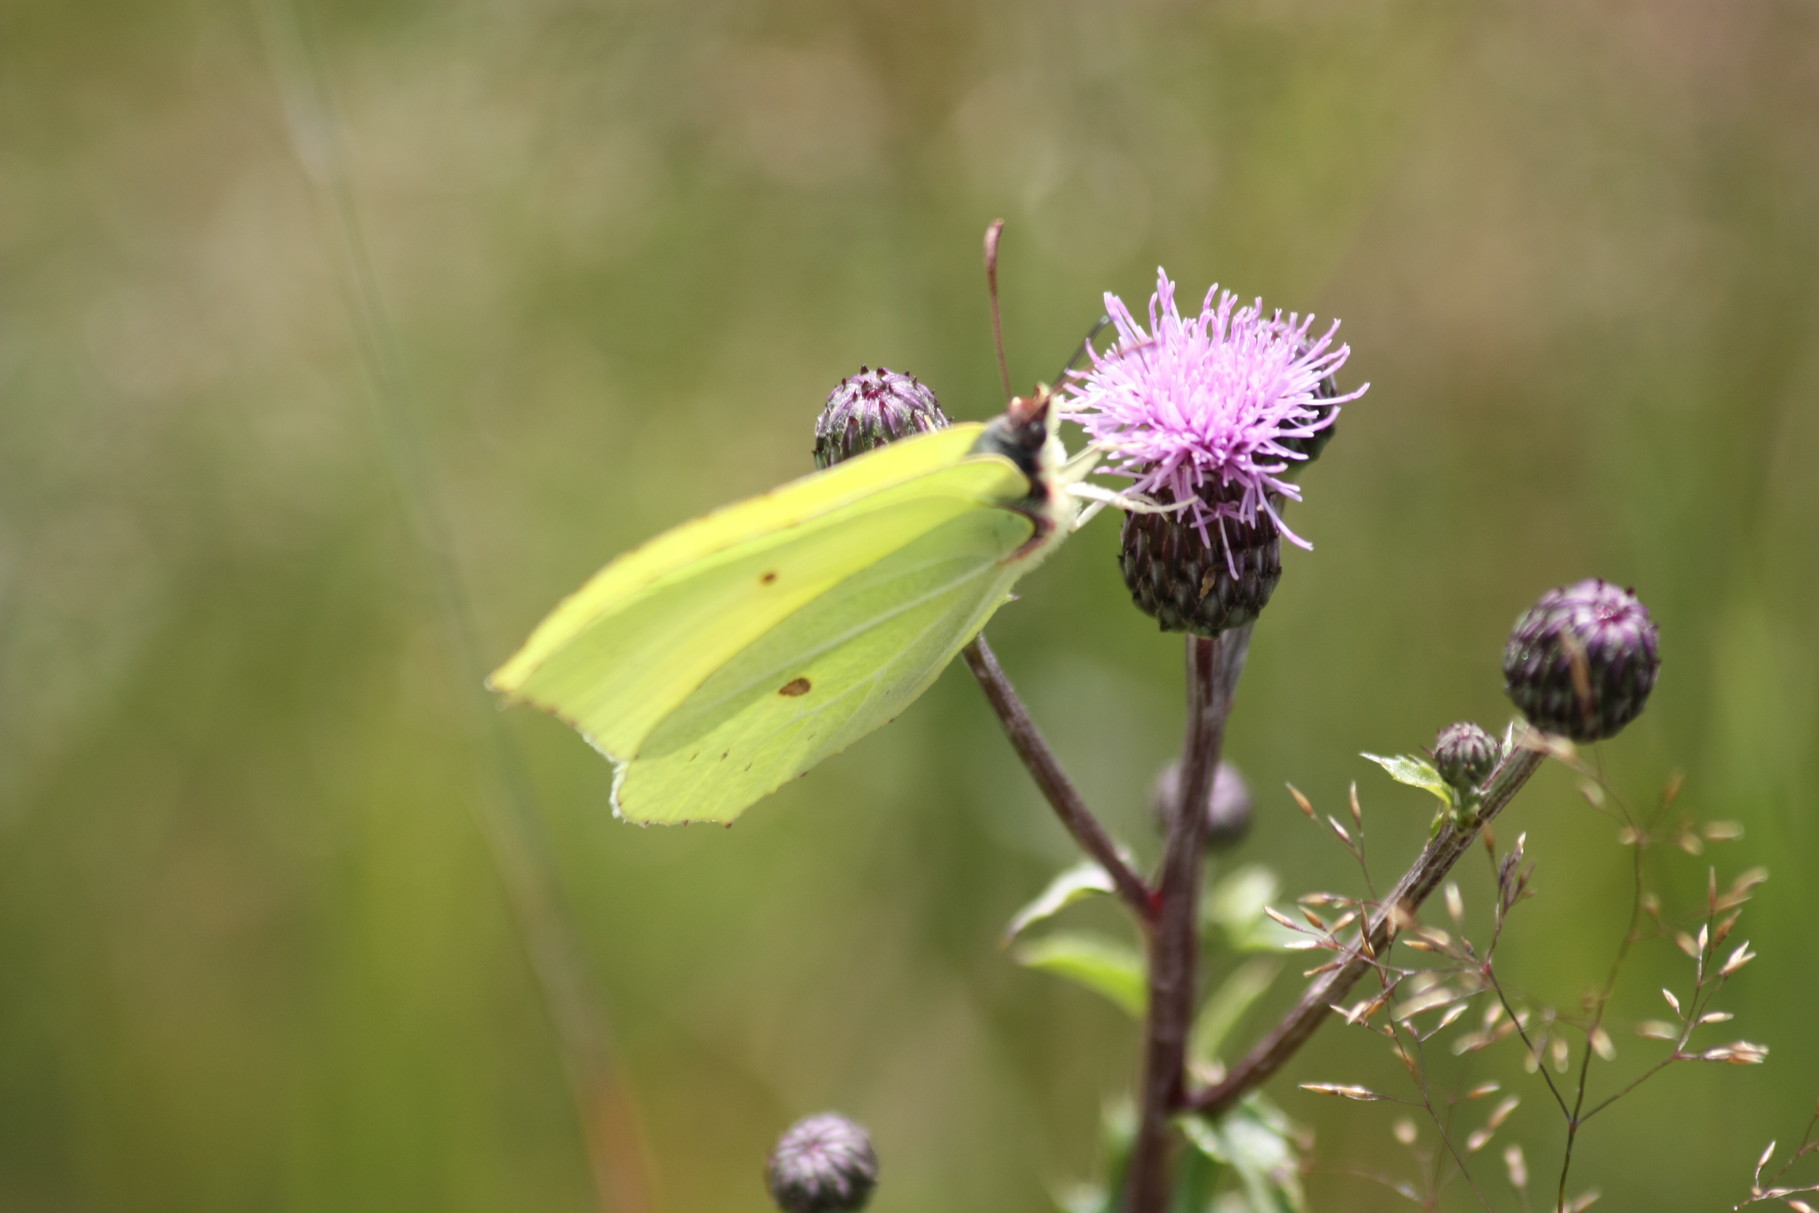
x=994, y=230
x=1085, y=346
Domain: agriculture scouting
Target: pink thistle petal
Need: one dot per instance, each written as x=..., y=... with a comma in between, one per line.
x=1198, y=408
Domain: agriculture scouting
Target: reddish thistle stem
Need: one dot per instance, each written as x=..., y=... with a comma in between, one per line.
x=1212, y=674
x=1060, y=792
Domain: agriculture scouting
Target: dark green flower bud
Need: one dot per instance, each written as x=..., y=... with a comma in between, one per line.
x=1465, y=755
x=870, y=409
x=1190, y=585
x=823, y=1164
x=1228, y=808
x=1582, y=661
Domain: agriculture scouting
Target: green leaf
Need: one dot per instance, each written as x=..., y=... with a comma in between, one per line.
x=1235, y=904
x=1195, y=1181
x=1255, y=1140
x=1104, y=965
x=1416, y=773
x=1227, y=1005
x=1085, y=879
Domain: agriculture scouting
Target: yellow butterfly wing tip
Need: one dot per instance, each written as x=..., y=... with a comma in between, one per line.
x=511, y=676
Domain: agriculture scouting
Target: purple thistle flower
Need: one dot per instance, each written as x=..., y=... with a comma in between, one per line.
x=1214, y=410
x=823, y=1164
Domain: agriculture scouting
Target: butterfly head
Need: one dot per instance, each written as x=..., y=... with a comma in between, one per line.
x=1025, y=434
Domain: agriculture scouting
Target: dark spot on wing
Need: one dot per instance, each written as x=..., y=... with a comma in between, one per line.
x=767, y=578
x=723, y=754
x=794, y=687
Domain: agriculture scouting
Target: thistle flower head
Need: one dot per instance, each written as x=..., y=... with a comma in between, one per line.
x=870, y=409
x=1229, y=807
x=1215, y=410
x=1582, y=661
x=823, y=1164
x=1465, y=755
x=1188, y=585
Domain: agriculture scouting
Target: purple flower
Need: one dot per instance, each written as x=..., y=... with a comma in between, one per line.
x=1213, y=410
x=823, y=1164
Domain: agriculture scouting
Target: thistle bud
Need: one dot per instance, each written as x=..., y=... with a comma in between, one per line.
x=1188, y=584
x=870, y=409
x=1228, y=808
x=1582, y=661
x=1465, y=755
x=823, y=1164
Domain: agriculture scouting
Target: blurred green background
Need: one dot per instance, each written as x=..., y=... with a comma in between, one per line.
x=255, y=951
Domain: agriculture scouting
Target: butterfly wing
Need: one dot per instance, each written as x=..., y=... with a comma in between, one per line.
x=833, y=671
x=736, y=651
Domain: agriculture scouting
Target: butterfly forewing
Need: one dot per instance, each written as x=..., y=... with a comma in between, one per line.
x=638, y=662
x=669, y=651
x=832, y=671
x=823, y=501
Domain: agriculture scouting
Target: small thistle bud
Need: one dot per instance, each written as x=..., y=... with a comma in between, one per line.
x=1190, y=585
x=1582, y=661
x=1465, y=755
x=823, y=1164
x=870, y=409
x=1228, y=809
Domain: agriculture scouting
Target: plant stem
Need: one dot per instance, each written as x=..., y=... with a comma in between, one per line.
x=1575, y=1121
x=1212, y=673
x=1396, y=912
x=1060, y=792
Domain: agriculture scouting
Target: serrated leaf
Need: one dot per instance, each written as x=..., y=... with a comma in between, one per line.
x=1099, y=963
x=1416, y=773
x=1085, y=879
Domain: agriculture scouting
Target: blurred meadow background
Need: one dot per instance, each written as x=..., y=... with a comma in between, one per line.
x=338, y=340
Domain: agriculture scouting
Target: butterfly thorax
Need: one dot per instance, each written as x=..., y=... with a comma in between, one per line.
x=1025, y=435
